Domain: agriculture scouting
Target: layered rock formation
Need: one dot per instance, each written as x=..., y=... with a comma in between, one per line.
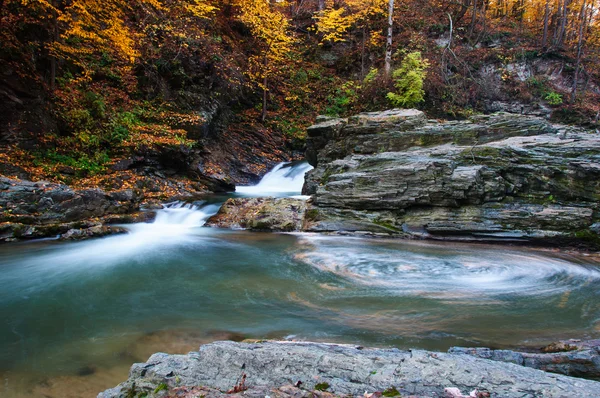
x=31, y=210
x=494, y=177
x=572, y=357
x=296, y=369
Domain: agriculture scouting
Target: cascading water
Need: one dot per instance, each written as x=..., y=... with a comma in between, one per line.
x=286, y=179
x=176, y=218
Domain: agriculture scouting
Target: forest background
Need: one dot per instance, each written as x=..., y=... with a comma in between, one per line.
x=93, y=87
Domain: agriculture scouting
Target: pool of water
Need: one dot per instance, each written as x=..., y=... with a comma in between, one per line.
x=76, y=315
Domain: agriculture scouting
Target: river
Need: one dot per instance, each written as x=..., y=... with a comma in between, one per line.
x=76, y=315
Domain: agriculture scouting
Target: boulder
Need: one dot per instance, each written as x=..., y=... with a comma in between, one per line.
x=340, y=370
x=260, y=214
x=493, y=177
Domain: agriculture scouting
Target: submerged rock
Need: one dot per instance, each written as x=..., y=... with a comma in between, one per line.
x=341, y=370
x=260, y=214
x=495, y=177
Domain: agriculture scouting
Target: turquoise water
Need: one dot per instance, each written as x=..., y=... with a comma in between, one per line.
x=76, y=315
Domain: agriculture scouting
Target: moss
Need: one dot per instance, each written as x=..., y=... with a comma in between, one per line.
x=321, y=386
x=312, y=214
x=161, y=387
x=387, y=225
x=391, y=392
x=131, y=393
x=588, y=236
x=429, y=139
x=326, y=175
x=465, y=137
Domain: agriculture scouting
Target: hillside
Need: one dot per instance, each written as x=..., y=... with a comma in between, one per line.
x=174, y=97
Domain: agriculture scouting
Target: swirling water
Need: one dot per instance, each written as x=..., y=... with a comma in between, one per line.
x=76, y=315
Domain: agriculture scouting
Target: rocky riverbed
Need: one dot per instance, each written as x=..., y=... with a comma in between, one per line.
x=303, y=369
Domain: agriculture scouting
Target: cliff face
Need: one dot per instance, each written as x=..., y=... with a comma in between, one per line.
x=496, y=177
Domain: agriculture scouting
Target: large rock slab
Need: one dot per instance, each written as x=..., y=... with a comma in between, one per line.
x=31, y=210
x=260, y=214
x=496, y=176
x=342, y=370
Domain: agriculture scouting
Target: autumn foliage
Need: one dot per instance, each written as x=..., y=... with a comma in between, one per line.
x=119, y=77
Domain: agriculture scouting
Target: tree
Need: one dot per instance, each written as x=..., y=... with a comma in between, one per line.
x=408, y=81
x=270, y=30
x=388, y=43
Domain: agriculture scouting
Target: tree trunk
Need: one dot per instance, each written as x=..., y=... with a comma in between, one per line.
x=362, y=52
x=388, y=44
x=563, y=24
x=263, y=115
x=546, y=18
x=473, y=20
x=321, y=5
x=556, y=18
x=55, y=38
x=582, y=19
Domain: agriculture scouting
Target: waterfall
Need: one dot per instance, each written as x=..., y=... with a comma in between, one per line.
x=185, y=214
x=286, y=179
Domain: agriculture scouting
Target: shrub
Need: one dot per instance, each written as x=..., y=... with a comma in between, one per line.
x=553, y=98
x=408, y=81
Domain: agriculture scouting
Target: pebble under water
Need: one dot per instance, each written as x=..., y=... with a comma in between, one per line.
x=76, y=315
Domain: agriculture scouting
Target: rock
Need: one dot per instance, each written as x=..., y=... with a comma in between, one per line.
x=137, y=217
x=493, y=177
x=341, y=370
x=572, y=357
x=518, y=107
x=260, y=214
x=40, y=209
x=92, y=232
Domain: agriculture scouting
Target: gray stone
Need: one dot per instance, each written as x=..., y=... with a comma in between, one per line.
x=346, y=370
x=493, y=177
x=570, y=357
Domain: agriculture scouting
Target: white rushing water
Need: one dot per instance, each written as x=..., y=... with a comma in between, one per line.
x=445, y=271
x=177, y=224
x=286, y=179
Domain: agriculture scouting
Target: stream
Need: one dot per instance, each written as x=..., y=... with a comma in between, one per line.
x=76, y=315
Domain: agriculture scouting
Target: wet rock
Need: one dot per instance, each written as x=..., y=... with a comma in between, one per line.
x=137, y=217
x=493, y=177
x=344, y=370
x=260, y=214
x=570, y=357
x=40, y=209
x=92, y=232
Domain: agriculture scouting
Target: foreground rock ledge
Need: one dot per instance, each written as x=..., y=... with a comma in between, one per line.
x=342, y=369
